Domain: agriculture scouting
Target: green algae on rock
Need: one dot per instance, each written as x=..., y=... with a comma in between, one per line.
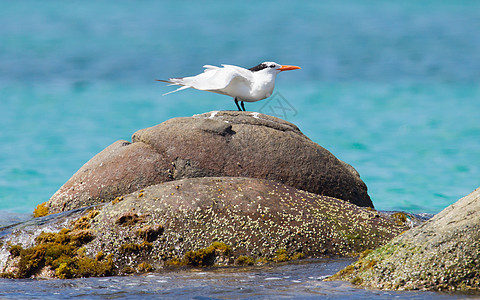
x=244, y=260
x=207, y=256
x=41, y=210
x=60, y=253
x=442, y=254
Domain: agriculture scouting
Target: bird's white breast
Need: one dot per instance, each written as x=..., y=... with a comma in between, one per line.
x=262, y=86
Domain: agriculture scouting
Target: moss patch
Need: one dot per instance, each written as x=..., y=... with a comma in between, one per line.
x=41, y=210
x=15, y=250
x=203, y=257
x=117, y=200
x=84, y=267
x=174, y=262
x=245, y=261
x=400, y=217
x=84, y=221
x=132, y=248
x=145, y=267
x=8, y=275
x=367, y=260
x=206, y=256
x=63, y=253
x=210, y=256
x=281, y=256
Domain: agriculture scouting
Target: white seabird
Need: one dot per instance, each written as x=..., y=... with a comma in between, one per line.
x=244, y=85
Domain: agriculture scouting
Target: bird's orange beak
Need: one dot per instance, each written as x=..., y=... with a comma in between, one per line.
x=287, y=68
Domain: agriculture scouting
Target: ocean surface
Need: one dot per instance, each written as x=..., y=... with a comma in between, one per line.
x=392, y=88
x=291, y=281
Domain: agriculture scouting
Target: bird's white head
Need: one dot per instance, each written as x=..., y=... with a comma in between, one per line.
x=272, y=67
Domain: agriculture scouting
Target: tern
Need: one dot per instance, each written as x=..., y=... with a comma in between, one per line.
x=244, y=85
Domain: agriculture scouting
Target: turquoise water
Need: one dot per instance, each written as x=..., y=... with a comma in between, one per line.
x=391, y=88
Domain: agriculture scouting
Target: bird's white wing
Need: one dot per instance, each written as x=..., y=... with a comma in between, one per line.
x=209, y=68
x=177, y=90
x=242, y=71
x=213, y=78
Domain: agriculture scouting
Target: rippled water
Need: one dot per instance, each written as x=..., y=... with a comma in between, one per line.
x=297, y=280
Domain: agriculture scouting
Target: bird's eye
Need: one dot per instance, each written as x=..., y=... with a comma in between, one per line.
x=272, y=66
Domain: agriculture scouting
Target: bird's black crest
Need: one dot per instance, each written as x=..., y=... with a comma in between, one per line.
x=258, y=67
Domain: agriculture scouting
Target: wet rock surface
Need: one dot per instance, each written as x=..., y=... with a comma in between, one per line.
x=442, y=254
x=198, y=222
x=24, y=234
x=226, y=143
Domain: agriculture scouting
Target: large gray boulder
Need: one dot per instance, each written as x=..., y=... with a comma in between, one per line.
x=256, y=217
x=193, y=221
x=226, y=143
x=442, y=254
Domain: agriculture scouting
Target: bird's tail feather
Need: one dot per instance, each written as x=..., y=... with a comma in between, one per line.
x=173, y=83
x=166, y=81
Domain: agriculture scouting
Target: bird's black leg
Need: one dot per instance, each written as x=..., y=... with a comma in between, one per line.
x=243, y=106
x=236, y=102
